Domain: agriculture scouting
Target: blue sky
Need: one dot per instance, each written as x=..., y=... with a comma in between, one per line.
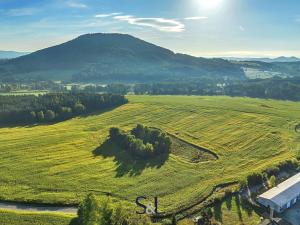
x=198, y=27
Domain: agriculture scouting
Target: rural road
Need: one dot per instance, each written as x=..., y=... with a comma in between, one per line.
x=36, y=208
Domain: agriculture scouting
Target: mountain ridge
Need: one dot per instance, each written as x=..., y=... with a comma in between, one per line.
x=115, y=57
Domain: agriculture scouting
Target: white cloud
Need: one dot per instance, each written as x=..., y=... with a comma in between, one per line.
x=196, y=18
x=161, y=24
x=22, y=12
x=74, y=4
x=107, y=15
x=123, y=18
x=241, y=28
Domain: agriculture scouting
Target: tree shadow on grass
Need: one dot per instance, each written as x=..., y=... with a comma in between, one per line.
x=127, y=164
x=238, y=206
x=246, y=207
x=74, y=221
x=218, y=212
x=228, y=201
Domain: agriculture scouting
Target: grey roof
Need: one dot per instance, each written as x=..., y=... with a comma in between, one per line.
x=284, y=192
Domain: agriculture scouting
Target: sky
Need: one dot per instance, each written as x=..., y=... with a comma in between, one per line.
x=208, y=28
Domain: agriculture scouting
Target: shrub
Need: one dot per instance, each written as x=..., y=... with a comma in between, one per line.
x=254, y=179
x=32, y=116
x=40, y=116
x=274, y=170
x=79, y=108
x=288, y=165
x=65, y=112
x=272, y=181
x=50, y=115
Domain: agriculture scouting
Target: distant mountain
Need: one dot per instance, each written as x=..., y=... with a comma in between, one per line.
x=116, y=58
x=11, y=54
x=268, y=60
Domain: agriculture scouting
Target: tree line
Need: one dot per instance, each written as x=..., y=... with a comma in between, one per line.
x=29, y=109
x=142, y=142
x=258, y=178
x=272, y=88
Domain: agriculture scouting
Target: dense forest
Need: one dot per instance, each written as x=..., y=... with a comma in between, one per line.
x=143, y=142
x=53, y=107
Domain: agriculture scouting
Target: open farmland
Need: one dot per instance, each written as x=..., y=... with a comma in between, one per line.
x=25, y=218
x=57, y=163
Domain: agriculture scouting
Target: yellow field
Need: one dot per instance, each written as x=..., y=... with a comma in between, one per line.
x=56, y=163
x=8, y=217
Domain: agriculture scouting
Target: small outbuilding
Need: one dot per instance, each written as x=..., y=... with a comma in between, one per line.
x=282, y=196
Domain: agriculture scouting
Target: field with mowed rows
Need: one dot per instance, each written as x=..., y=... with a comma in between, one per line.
x=62, y=162
x=8, y=217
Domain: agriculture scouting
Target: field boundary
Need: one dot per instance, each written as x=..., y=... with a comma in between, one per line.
x=196, y=146
x=189, y=143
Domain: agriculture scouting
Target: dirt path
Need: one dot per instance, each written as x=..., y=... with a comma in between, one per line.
x=32, y=207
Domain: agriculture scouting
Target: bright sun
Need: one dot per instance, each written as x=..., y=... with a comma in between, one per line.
x=210, y=4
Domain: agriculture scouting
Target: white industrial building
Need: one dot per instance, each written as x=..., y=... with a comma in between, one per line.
x=282, y=196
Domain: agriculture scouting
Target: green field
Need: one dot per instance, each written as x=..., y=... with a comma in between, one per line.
x=233, y=211
x=21, y=218
x=57, y=163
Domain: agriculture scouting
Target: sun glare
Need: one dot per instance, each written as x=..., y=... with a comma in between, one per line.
x=210, y=4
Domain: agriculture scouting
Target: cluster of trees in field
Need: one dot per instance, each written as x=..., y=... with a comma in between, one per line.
x=143, y=142
x=54, y=107
x=92, y=212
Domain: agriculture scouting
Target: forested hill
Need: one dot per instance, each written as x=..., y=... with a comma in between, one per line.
x=114, y=57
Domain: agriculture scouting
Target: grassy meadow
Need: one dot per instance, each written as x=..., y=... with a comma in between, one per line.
x=8, y=217
x=61, y=163
x=233, y=211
